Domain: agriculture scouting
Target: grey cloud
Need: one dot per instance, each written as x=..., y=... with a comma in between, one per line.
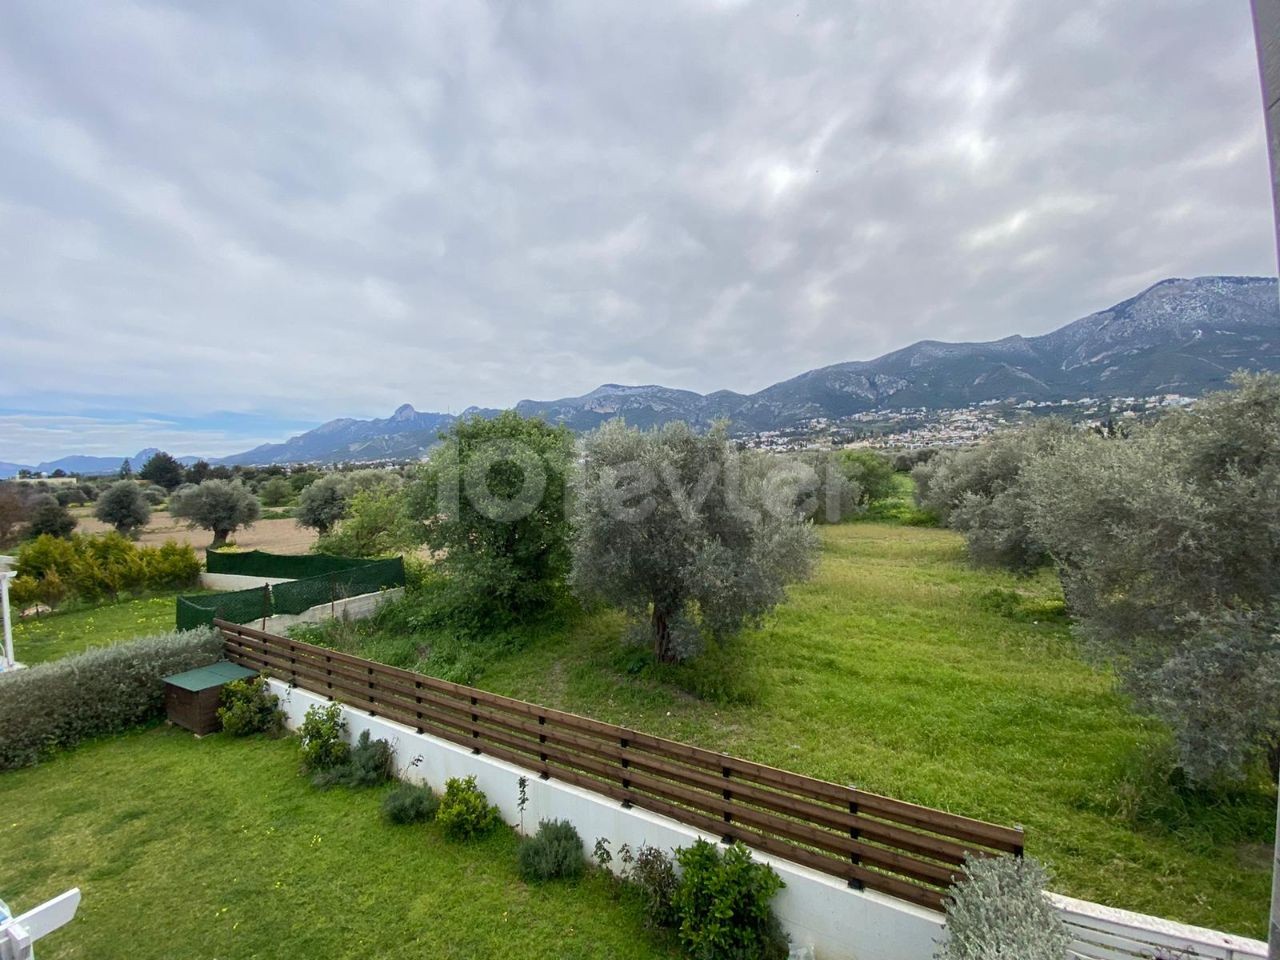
x=312, y=211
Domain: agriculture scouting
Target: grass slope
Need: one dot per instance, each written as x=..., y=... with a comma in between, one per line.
x=905, y=671
x=218, y=848
x=58, y=634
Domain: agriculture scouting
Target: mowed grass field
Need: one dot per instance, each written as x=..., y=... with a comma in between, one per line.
x=58, y=634
x=903, y=670
x=188, y=848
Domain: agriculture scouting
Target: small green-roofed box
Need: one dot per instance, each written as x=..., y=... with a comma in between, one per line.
x=191, y=698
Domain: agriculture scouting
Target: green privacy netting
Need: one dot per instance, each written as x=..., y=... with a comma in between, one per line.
x=337, y=579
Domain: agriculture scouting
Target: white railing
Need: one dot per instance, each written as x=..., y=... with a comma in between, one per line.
x=1104, y=933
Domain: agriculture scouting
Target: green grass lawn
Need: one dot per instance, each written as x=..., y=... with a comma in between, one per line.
x=905, y=671
x=58, y=634
x=218, y=848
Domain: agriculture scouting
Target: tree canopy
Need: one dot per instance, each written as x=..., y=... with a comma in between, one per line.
x=124, y=506
x=223, y=506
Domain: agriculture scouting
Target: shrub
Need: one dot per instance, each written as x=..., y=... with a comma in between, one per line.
x=465, y=812
x=869, y=472
x=101, y=691
x=102, y=566
x=377, y=524
x=50, y=518
x=653, y=875
x=722, y=903
x=999, y=910
x=124, y=506
x=410, y=804
x=249, y=706
x=322, y=732
x=368, y=764
x=553, y=853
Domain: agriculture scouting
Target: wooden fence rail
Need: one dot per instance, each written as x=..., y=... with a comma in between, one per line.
x=900, y=849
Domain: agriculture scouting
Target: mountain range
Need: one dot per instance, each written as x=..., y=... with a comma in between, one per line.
x=1179, y=336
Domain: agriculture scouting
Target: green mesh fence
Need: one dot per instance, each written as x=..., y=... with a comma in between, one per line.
x=255, y=563
x=346, y=577
x=237, y=606
x=299, y=595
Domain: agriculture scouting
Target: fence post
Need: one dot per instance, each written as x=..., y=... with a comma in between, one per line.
x=266, y=605
x=626, y=764
x=854, y=834
x=728, y=796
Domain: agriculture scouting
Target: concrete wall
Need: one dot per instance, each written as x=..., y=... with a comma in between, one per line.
x=818, y=911
x=352, y=608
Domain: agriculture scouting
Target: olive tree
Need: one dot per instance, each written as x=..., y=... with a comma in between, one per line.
x=981, y=492
x=276, y=492
x=685, y=535
x=50, y=517
x=326, y=501
x=223, y=506
x=124, y=506
x=1168, y=547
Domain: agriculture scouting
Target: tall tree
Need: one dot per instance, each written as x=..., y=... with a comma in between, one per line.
x=162, y=470
x=126, y=469
x=492, y=500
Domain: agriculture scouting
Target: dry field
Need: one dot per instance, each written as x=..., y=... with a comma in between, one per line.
x=273, y=536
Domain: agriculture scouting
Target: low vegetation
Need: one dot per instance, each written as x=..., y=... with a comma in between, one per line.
x=998, y=909
x=56, y=705
x=51, y=569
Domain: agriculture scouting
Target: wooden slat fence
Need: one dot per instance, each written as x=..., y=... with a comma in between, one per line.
x=900, y=849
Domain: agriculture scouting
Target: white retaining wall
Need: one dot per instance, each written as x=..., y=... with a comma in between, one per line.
x=818, y=911
x=352, y=608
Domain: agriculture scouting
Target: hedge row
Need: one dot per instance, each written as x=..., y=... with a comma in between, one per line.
x=106, y=690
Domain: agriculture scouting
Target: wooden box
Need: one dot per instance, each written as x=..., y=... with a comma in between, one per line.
x=191, y=699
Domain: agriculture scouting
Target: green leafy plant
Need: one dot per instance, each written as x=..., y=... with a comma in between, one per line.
x=723, y=904
x=410, y=804
x=553, y=853
x=249, y=706
x=600, y=854
x=465, y=812
x=322, y=732
x=368, y=764
x=653, y=875
x=999, y=910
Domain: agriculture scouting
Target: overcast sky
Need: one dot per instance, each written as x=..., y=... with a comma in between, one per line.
x=222, y=222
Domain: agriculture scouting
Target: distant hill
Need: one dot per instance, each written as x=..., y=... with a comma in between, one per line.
x=404, y=435
x=1178, y=336
x=87, y=466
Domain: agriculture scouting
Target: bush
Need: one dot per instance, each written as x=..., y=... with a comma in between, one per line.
x=653, y=875
x=106, y=690
x=723, y=904
x=465, y=812
x=249, y=706
x=91, y=568
x=368, y=764
x=322, y=733
x=553, y=853
x=50, y=519
x=410, y=804
x=999, y=910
